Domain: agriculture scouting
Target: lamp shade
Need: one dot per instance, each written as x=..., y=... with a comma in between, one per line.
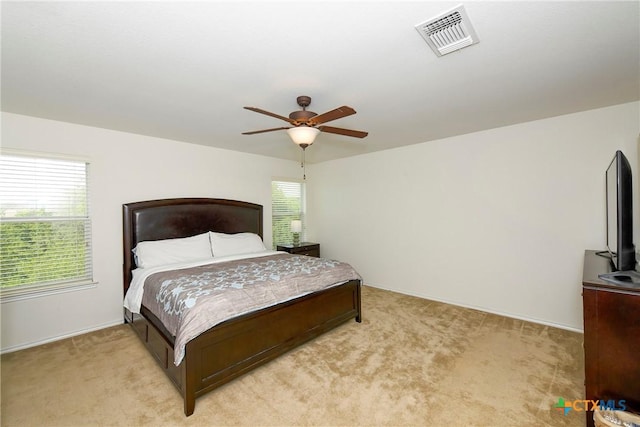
x=296, y=226
x=303, y=135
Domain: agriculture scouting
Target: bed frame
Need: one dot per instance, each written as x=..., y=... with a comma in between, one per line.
x=236, y=346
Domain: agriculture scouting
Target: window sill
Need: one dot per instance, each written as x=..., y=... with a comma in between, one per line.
x=38, y=292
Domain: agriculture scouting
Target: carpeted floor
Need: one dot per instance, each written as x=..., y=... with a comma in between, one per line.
x=411, y=362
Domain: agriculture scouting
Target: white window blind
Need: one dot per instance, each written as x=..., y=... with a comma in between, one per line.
x=287, y=204
x=45, y=227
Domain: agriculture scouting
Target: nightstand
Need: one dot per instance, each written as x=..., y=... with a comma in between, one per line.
x=304, y=248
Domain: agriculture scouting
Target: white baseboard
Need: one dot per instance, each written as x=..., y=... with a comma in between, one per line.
x=429, y=297
x=59, y=337
x=499, y=313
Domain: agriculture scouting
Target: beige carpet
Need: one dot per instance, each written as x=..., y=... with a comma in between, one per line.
x=411, y=362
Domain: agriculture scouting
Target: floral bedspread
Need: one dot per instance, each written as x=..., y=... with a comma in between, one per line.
x=192, y=300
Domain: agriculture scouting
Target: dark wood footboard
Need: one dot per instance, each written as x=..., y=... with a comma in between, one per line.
x=239, y=345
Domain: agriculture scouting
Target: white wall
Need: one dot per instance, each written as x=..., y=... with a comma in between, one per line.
x=123, y=168
x=496, y=220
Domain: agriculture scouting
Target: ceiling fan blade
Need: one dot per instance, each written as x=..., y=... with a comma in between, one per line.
x=269, y=113
x=263, y=130
x=341, y=131
x=338, y=113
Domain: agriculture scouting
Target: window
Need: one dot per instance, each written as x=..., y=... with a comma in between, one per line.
x=287, y=204
x=44, y=224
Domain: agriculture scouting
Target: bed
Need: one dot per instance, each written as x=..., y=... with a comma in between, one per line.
x=240, y=344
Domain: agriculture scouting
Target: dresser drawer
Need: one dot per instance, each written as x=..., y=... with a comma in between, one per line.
x=305, y=248
x=309, y=252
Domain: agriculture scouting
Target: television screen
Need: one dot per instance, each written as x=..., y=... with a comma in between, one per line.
x=620, y=213
x=612, y=208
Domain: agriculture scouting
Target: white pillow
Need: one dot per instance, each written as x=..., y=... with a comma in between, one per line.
x=171, y=251
x=235, y=244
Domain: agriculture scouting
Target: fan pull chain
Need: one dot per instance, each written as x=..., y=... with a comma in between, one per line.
x=303, y=166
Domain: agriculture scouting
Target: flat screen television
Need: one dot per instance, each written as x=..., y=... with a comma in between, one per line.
x=620, y=213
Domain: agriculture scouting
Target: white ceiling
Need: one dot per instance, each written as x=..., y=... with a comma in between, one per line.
x=184, y=70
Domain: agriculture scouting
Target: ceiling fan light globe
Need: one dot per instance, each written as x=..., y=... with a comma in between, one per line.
x=303, y=135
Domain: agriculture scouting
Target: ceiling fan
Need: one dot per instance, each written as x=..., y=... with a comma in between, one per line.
x=305, y=123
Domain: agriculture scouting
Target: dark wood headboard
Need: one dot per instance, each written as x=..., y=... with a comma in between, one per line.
x=173, y=218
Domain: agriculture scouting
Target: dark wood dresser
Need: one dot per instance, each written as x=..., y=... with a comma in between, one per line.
x=611, y=336
x=304, y=248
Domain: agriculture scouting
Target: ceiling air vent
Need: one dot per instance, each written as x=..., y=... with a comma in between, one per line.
x=448, y=32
